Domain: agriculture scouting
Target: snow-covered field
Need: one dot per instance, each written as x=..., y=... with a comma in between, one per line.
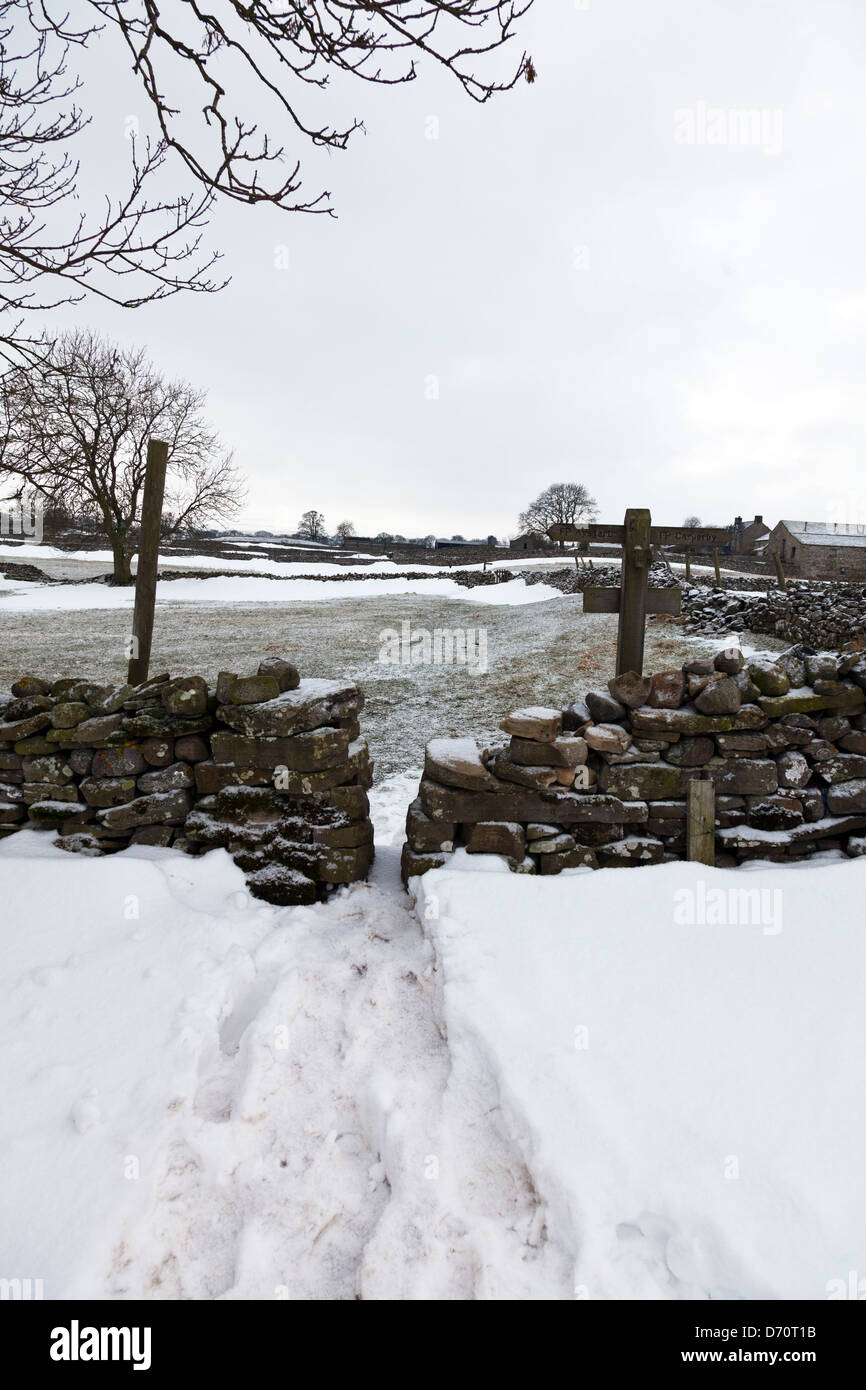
x=522, y=1089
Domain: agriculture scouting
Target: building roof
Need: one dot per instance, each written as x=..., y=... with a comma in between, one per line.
x=829, y=533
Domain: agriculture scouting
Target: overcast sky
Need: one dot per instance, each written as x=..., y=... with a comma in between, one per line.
x=602, y=290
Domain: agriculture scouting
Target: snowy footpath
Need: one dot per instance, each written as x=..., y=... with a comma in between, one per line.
x=601, y=1085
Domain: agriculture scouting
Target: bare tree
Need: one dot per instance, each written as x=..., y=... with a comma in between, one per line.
x=344, y=531
x=692, y=521
x=563, y=504
x=74, y=429
x=190, y=63
x=312, y=526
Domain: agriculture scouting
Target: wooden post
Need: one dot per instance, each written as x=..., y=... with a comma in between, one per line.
x=701, y=821
x=716, y=563
x=783, y=583
x=688, y=563
x=148, y=561
x=635, y=575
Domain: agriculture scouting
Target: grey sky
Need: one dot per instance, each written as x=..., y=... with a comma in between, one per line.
x=678, y=325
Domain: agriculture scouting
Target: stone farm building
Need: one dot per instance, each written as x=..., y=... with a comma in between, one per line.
x=748, y=537
x=820, y=549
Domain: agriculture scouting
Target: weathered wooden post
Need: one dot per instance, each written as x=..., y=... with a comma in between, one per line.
x=148, y=561
x=701, y=821
x=688, y=563
x=716, y=564
x=632, y=608
x=783, y=583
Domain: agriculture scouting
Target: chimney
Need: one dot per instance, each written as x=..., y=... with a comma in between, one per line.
x=759, y=521
x=738, y=521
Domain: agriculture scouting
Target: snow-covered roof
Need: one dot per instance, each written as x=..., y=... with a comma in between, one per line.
x=830, y=533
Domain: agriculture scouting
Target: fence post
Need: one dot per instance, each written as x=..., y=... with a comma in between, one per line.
x=148, y=561
x=701, y=821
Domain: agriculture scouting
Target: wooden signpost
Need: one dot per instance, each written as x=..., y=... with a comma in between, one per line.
x=634, y=599
x=148, y=562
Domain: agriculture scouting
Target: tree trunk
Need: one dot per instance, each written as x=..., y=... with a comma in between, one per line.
x=122, y=565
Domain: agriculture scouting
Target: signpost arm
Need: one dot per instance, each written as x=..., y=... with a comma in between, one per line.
x=148, y=561
x=635, y=575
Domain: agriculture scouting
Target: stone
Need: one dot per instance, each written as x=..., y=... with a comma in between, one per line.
x=108, y=791
x=312, y=704
x=177, y=777
x=11, y=814
x=575, y=715
x=336, y=865
x=88, y=732
x=191, y=749
x=578, y=858
x=667, y=690
x=282, y=887
x=161, y=752
x=496, y=837
x=793, y=665
x=743, y=777
x=793, y=769
x=113, y=699
x=316, y=750
x=52, y=813
x=251, y=690
x=567, y=751
x=731, y=661
x=66, y=716
x=534, y=831
x=634, y=849
x=819, y=750
x=344, y=836
x=691, y=721
x=18, y=729
x=211, y=777
x=604, y=708
x=553, y=844
x=412, y=865
x=644, y=781
x=719, y=696
x=284, y=673
x=534, y=722
x=507, y=771
x=746, y=686
x=805, y=701
x=159, y=726
x=833, y=727
x=185, y=696
x=526, y=865
x=821, y=666
x=160, y=835
x=47, y=768
x=845, y=767
x=81, y=843
x=522, y=805
x=699, y=666
x=162, y=808
x=29, y=685
x=630, y=689
x=771, y=815
x=692, y=752
x=753, y=744
x=48, y=791
x=123, y=761
x=769, y=678
x=423, y=833
x=607, y=738
x=855, y=742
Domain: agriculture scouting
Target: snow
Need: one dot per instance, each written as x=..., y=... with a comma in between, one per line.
x=22, y=597
x=524, y=1088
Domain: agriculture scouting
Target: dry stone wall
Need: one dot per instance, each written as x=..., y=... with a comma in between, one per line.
x=270, y=767
x=603, y=782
